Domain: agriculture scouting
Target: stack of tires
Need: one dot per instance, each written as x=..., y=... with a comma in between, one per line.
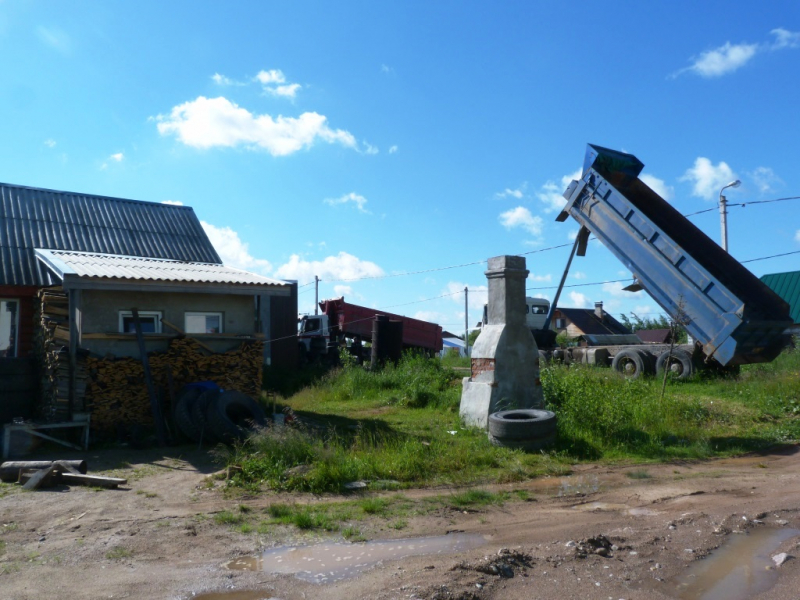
x=205, y=413
x=526, y=429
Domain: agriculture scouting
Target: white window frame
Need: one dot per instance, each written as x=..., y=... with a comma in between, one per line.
x=123, y=314
x=16, y=325
x=203, y=314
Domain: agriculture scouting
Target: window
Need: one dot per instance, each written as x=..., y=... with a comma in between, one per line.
x=150, y=320
x=203, y=322
x=309, y=325
x=9, y=327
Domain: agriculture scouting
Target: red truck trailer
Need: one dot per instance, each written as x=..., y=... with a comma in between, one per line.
x=339, y=320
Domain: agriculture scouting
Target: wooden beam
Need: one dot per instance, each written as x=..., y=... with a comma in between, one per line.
x=148, y=378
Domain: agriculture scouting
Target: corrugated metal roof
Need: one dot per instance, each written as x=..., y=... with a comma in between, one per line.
x=36, y=218
x=787, y=286
x=586, y=320
x=106, y=266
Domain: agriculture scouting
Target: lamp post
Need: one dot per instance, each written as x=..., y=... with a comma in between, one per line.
x=723, y=213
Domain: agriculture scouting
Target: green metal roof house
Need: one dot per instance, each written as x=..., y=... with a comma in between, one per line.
x=787, y=286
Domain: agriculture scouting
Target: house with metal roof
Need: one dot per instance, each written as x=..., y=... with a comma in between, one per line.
x=120, y=264
x=577, y=322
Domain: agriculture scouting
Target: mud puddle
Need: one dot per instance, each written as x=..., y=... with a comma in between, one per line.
x=610, y=506
x=333, y=561
x=739, y=570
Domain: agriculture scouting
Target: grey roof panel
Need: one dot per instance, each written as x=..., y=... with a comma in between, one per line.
x=38, y=218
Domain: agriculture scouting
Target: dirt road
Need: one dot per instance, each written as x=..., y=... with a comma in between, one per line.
x=598, y=533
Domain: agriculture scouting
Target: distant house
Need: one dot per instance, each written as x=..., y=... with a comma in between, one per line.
x=787, y=286
x=576, y=322
x=74, y=266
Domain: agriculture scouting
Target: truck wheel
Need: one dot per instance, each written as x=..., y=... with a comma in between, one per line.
x=631, y=363
x=679, y=364
x=521, y=424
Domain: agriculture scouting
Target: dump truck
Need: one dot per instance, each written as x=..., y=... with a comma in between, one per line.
x=322, y=335
x=732, y=316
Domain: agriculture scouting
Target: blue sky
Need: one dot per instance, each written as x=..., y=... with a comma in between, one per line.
x=363, y=141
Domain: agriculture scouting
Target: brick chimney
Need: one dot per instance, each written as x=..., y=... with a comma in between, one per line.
x=598, y=311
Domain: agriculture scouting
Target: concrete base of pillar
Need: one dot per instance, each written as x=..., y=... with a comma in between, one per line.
x=476, y=403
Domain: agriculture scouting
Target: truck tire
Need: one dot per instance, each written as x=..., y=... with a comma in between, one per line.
x=199, y=409
x=631, y=363
x=679, y=363
x=182, y=414
x=522, y=424
x=233, y=415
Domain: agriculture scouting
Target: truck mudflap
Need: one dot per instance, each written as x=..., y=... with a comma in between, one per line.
x=734, y=315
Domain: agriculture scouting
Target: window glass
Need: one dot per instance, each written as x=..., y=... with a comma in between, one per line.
x=9, y=326
x=149, y=320
x=197, y=322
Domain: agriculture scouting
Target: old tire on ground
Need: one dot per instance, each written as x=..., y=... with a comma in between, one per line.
x=521, y=424
x=233, y=415
x=182, y=413
x=631, y=363
x=679, y=364
x=199, y=409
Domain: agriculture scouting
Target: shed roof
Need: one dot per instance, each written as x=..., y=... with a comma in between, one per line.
x=80, y=269
x=37, y=218
x=654, y=336
x=787, y=286
x=586, y=320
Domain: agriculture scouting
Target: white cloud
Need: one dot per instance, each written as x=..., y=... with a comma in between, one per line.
x=222, y=80
x=232, y=250
x=369, y=148
x=785, y=39
x=551, y=192
x=343, y=266
x=579, y=274
x=731, y=57
x=214, y=122
x=522, y=217
x=356, y=199
x=615, y=289
x=118, y=157
x=534, y=277
x=172, y=202
x=765, y=179
x=644, y=309
x=797, y=236
x=392, y=149
x=723, y=60
x=271, y=77
x=50, y=143
x=706, y=179
x=478, y=294
x=578, y=300
x=274, y=82
x=342, y=290
x=517, y=193
x=657, y=185
x=386, y=69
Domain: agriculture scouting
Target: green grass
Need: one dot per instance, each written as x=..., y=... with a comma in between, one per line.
x=638, y=474
x=391, y=427
x=227, y=517
x=475, y=498
x=118, y=553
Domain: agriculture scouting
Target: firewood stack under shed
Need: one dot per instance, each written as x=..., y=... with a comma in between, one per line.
x=52, y=342
x=117, y=392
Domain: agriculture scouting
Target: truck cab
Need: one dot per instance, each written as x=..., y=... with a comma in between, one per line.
x=313, y=333
x=535, y=312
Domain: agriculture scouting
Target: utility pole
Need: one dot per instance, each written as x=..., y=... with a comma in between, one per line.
x=466, y=320
x=723, y=213
x=316, y=295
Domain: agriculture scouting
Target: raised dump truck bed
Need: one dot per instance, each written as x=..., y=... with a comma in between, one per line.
x=737, y=319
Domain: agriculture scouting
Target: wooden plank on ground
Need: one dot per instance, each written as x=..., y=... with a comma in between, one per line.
x=40, y=478
x=93, y=480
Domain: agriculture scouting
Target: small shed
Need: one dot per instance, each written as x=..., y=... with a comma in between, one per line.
x=75, y=268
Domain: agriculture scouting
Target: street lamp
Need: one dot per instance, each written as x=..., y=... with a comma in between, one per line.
x=723, y=214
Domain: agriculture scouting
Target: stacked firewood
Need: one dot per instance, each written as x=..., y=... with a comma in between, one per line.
x=117, y=390
x=52, y=341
